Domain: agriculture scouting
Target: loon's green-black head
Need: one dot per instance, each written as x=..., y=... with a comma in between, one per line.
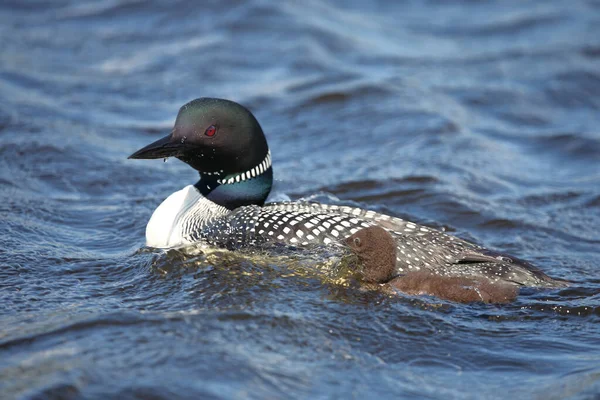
x=225, y=143
x=212, y=135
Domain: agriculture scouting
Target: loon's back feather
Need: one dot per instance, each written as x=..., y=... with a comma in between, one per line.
x=418, y=247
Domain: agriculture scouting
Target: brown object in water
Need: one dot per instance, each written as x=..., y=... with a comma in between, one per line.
x=376, y=250
x=459, y=289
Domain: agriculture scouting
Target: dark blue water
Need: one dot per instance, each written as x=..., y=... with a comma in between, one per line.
x=480, y=118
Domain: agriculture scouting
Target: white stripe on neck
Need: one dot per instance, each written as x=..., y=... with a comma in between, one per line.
x=252, y=173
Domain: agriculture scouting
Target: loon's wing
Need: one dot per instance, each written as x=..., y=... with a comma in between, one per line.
x=424, y=248
x=416, y=236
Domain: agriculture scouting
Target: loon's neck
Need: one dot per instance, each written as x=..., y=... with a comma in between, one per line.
x=238, y=189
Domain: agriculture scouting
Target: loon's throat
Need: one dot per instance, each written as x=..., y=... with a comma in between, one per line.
x=247, y=187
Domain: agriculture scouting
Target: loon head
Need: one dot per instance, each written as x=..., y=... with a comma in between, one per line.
x=225, y=143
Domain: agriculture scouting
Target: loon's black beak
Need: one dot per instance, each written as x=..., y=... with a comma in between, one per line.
x=162, y=148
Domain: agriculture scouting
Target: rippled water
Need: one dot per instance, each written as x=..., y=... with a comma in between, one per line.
x=481, y=118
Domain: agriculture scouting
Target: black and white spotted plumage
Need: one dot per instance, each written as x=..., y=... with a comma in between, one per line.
x=418, y=247
x=224, y=142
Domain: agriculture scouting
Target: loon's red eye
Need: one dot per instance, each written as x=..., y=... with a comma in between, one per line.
x=211, y=130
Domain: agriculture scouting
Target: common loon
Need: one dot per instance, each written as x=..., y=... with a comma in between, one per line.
x=226, y=208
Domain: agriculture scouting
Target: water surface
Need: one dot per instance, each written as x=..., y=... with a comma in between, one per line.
x=480, y=118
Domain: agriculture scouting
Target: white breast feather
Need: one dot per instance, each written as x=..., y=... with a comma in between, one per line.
x=180, y=213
